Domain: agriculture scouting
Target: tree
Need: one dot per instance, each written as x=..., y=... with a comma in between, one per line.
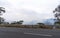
x=40, y=23
x=14, y=22
x=57, y=14
x=57, y=23
x=1, y=20
x=17, y=22
x=20, y=22
x=1, y=10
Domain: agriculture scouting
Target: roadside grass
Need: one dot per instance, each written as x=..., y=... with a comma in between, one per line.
x=26, y=26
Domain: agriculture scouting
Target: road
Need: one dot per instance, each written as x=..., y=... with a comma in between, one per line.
x=28, y=33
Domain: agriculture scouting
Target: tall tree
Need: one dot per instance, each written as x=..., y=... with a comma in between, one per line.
x=1, y=10
x=57, y=14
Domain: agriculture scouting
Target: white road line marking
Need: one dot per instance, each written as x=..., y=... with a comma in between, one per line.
x=38, y=34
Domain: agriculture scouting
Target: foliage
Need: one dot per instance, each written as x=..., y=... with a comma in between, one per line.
x=1, y=10
x=57, y=23
x=57, y=14
x=1, y=20
x=40, y=23
x=18, y=22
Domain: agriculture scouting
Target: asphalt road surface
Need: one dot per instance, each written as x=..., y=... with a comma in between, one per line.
x=28, y=33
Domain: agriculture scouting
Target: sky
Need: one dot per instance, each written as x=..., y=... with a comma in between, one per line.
x=28, y=10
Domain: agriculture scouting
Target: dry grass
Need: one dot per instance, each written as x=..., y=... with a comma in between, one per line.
x=26, y=26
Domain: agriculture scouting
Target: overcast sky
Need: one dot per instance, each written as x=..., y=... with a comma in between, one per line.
x=28, y=10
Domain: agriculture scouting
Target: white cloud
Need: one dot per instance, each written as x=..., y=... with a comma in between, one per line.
x=29, y=9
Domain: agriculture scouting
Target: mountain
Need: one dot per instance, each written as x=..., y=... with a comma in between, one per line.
x=49, y=21
x=45, y=21
x=33, y=22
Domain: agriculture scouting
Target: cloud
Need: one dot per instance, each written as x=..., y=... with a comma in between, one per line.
x=28, y=10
